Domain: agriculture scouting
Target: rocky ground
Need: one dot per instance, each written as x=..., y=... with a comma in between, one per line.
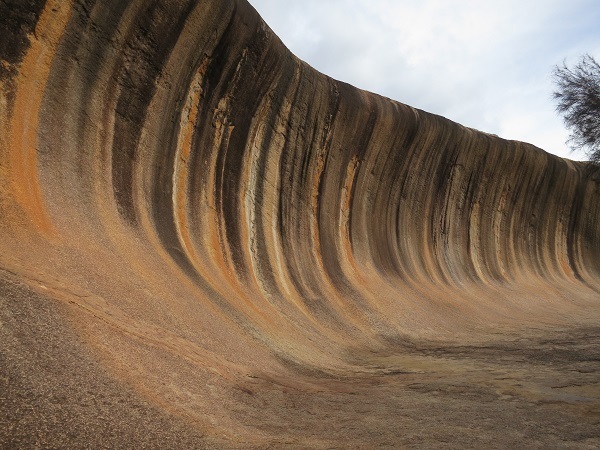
x=540, y=389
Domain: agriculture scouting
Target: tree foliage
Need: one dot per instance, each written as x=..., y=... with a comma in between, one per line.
x=578, y=101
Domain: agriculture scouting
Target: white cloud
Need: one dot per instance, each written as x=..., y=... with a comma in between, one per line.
x=484, y=63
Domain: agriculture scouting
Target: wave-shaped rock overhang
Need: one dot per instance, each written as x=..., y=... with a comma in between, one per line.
x=173, y=174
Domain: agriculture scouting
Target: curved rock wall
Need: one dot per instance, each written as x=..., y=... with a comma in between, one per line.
x=187, y=188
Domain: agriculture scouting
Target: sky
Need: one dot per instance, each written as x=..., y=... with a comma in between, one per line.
x=486, y=64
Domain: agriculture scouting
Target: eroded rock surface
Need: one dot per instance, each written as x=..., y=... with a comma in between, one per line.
x=206, y=243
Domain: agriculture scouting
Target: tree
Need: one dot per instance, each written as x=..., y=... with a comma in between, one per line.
x=578, y=101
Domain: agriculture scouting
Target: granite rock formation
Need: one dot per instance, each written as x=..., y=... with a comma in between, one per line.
x=204, y=242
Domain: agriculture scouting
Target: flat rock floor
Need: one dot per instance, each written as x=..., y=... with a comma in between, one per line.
x=540, y=389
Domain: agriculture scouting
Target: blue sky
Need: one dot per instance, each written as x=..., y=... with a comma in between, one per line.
x=484, y=63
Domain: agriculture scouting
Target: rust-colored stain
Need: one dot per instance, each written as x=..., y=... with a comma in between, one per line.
x=31, y=83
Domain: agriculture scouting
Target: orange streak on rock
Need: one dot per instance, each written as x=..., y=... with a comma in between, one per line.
x=346, y=213
x=31, y=83
x=188, y=120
